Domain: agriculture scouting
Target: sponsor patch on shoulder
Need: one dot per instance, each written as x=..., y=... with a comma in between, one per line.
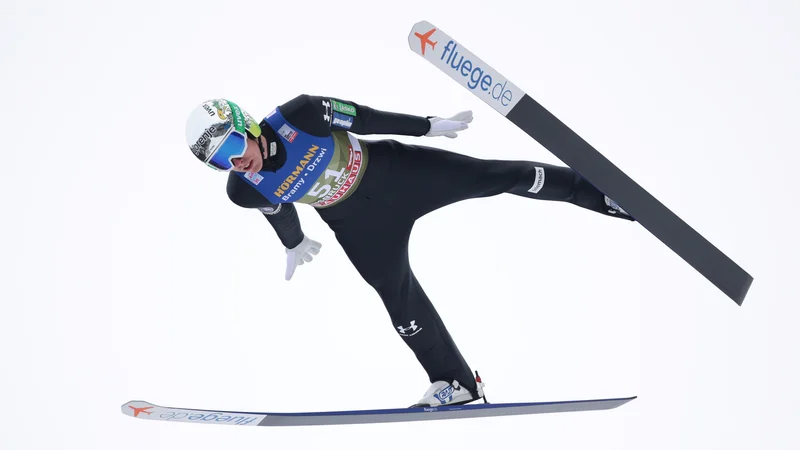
x=344, y=108
x=341, y=120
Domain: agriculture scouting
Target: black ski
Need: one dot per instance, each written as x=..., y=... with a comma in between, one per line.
x=523, y=111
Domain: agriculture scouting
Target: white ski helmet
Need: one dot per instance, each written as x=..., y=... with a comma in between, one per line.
x=217, y=131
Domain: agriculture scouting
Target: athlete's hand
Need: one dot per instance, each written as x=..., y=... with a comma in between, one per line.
x=448, y=127
x=303, y=253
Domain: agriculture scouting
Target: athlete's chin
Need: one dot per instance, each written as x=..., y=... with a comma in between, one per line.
x=256, y=166
x=252, y=167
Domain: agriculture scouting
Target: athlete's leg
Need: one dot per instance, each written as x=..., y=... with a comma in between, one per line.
x=378, y=249
x=560, y=183
x=435, y=178
x=374, y=235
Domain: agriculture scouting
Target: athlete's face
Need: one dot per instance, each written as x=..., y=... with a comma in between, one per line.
x=252, y=161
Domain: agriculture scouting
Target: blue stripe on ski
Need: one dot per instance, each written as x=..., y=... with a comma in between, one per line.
x=436, y=408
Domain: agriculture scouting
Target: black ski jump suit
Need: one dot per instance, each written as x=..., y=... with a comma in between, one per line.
x=401, y=184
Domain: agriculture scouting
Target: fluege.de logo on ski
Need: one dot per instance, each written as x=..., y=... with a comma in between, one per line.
x=475, y=75
x=466, y=68
x=204, y=416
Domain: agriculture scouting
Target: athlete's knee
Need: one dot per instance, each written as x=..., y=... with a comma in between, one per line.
x=391, y=284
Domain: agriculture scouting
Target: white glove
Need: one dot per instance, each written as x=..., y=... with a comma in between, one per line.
x=448, y=127
x=300, y=254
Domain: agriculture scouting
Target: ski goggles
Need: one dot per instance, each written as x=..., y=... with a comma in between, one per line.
x=233, y=143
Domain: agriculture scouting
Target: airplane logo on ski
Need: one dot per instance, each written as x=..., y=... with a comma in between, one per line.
x=425, y=39
x=136, y=411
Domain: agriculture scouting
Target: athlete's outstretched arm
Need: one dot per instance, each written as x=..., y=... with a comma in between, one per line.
x=283, y=217
x=320, y=115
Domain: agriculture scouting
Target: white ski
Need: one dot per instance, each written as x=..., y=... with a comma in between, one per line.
x=148, y=411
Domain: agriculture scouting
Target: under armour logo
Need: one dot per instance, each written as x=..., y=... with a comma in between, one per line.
x=327, y=115
x=413, y=328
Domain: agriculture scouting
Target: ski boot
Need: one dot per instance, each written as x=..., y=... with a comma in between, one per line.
x=615, y=210
x=445, y=393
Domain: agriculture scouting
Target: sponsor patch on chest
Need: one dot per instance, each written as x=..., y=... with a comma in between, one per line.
x=254, y=178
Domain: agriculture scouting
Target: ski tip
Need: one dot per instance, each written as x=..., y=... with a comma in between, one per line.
x=422, y=24
x=421, y=27
x=136, y=408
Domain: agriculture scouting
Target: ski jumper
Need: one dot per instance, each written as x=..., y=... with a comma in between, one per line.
x=370, y=193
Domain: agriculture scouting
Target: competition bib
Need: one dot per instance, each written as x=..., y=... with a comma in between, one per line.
x=306, y=157
x=319, y=171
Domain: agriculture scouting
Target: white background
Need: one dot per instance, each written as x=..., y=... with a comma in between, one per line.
x=127, y=274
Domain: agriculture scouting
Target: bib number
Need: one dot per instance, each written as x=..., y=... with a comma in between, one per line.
x=320, y=190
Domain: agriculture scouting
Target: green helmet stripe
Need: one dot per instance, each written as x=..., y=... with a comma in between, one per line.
x=238, y=117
